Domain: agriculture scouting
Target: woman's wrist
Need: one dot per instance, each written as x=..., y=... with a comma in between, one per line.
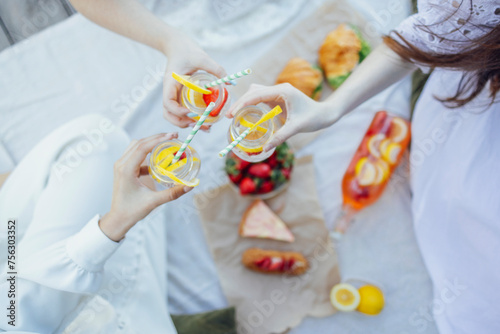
x=331, y=112
x=113, y=226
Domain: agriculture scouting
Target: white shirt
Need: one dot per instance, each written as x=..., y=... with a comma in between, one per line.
x=455, y=156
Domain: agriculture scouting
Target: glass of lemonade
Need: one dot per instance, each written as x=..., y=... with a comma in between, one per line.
x=196, y=102
x=185, y=170
x=251, y=147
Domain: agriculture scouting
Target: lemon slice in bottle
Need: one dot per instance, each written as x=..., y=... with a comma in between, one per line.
x=391, y=152
x=374, y=144
x=366, y=172
x=184, y=80
x=382, y=171
x=399, y=130
x=345, y=297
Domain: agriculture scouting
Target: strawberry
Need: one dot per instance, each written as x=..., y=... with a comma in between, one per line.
x=265, y=263
x=213, y=98
x=266, y=187
x=283, y=264
x=235, y=178
x=272, y=161
x=276, y=264
x=183, y=155
x=258, y=263
x=247, y=186
x=286, y=173
x=241, y=164
x=289, y=264
x=262, y=170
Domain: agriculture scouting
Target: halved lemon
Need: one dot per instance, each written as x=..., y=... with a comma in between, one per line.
x=184, y=80
x=374, y=144
x=391, y=153
x=345, y=297
x=366, y=172
x=192, y=183
x=399, y=129
x=372, y=300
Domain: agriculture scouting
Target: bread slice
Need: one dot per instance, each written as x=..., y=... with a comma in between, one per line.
x=259, y=221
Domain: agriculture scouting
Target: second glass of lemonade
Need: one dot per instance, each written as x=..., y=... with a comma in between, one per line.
x=251, y=147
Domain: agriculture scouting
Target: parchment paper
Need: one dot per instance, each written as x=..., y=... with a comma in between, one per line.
x=304, y=40
x=273, y=303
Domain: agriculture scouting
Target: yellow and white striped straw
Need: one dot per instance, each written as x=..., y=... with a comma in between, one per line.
x=229, y=78
x=195, y=129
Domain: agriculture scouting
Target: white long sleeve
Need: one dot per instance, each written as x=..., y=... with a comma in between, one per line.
x=57, y=277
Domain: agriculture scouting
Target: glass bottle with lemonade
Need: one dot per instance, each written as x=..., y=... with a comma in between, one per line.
x=251, y=148
x=375, y=160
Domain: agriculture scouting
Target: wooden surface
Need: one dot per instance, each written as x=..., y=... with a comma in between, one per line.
x=19, y=19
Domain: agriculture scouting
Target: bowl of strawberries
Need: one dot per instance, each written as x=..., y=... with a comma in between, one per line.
x=264, y=179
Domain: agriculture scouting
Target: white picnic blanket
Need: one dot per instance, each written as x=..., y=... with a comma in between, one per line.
x=76, y=67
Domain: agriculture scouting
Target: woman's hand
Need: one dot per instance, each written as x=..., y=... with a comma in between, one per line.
x=303, y=114
x=184, y=57
x=132, y=200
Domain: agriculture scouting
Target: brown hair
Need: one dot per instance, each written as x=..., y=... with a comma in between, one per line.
x=480, y=60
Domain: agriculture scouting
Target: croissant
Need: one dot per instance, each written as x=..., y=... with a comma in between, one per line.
x=302, y=75
x=341, y=51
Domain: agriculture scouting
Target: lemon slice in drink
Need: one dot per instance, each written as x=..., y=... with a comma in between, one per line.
x=249, y=124
x=196, y=98
x=174, y=178
x=184, y=80
x=344, y=297
x=247, y=149
x=178, y=164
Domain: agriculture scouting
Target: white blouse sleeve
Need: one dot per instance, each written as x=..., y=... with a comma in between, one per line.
x=56, y=278
x=447, y=27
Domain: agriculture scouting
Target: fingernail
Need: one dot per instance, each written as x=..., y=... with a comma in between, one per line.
x=187, y=189
x=267, y=148
x=192, y=114
x=191, y=124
